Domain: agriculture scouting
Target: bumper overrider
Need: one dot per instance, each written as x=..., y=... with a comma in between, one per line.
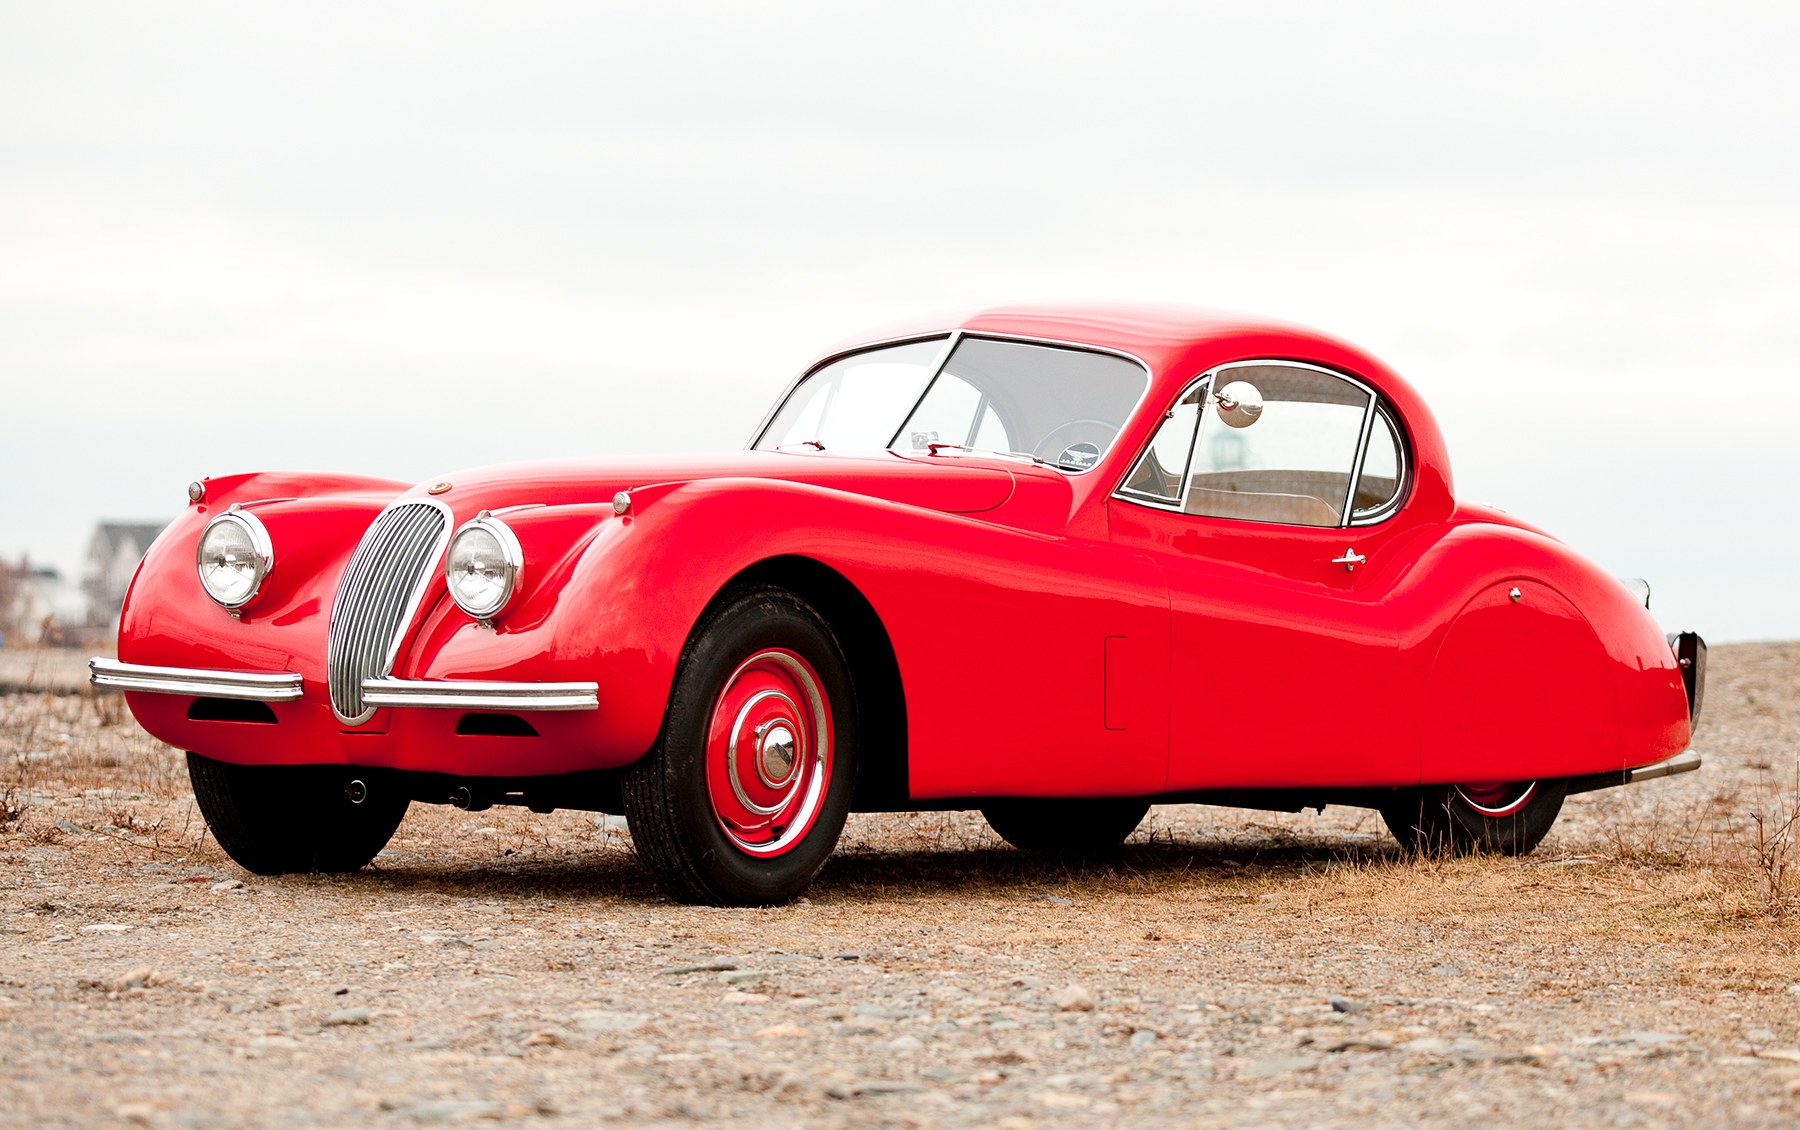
x=259, y=686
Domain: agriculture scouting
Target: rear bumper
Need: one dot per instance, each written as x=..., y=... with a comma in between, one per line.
x=1685, y=762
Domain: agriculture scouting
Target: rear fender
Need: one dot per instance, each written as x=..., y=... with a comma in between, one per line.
x=1548, y=669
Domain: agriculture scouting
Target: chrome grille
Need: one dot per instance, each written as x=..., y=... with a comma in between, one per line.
x=382, y=586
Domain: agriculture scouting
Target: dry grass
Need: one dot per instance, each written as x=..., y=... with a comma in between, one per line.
x=1777, y=868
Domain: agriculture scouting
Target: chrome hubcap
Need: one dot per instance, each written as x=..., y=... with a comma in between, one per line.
x=775, y=752
x=769, y=752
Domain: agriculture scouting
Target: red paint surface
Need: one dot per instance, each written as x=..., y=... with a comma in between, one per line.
x=1051, y=640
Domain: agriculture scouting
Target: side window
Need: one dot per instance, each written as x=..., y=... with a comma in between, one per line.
x=1160, y=470
x=1293, y=465
x=1383, y=472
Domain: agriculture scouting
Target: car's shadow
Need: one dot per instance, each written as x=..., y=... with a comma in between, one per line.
x=862, y=875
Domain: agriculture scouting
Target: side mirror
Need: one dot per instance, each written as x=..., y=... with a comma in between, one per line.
x=1240, y=404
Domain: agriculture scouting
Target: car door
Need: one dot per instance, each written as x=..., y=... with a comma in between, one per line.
x=1274, y=532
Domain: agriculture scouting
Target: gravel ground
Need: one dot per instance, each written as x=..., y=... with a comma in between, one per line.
x=1233, y=968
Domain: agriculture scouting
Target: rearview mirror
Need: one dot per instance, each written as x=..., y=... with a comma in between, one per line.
x=1240, y=404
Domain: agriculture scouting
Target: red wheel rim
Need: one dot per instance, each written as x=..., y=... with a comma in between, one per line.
x=768, y=752
x=1497, y=798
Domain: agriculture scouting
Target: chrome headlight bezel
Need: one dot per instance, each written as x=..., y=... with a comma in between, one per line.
x=512, y=561
x=262, y=549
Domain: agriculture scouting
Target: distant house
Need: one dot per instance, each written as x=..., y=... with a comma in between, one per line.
x=112, y=557
x=37, y=606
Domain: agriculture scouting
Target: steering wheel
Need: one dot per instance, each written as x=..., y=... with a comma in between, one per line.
x=1063, y=436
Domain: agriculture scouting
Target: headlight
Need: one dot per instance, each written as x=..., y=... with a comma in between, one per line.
x=482, y=566
x=234, y=557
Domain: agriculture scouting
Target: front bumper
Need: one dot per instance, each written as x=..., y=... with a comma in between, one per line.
x=258, y=686
x=455, y=727
x=248, y=686
x=469, y=694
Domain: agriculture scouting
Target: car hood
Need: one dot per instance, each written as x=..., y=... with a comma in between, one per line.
x=953, y=484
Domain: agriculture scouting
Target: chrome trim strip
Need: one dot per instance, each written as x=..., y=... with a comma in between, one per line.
x=937, y=370
x=1402, y=468
x=481, y=695
x=253, y=686
x=1362, y=452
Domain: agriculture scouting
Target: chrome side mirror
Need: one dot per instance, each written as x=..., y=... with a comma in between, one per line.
x=1240, y=404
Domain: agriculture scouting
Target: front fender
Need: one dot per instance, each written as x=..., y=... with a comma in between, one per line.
x=1008, y=642
x=613, y=598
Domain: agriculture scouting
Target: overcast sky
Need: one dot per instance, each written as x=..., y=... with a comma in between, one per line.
x=402, y=239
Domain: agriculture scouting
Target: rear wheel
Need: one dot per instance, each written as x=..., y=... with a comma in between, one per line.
x=1503, y=817
x=1064, y=826
x=279, y=819
x=746, y=794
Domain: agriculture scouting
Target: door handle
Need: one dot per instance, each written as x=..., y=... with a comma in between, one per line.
x=1350, y=560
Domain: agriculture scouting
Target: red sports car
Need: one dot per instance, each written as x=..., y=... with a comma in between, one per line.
x=1055, y=564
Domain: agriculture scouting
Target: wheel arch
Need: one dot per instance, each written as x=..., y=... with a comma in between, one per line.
x=881, y=768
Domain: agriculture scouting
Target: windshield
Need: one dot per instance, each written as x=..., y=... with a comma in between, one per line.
x=1058, y=405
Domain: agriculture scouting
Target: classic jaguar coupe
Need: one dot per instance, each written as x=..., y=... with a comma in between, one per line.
x=1055, y=564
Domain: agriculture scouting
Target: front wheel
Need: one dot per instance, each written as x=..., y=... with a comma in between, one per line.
x=1502, y=817
x=280, y=819
x=1065, y=827
x=746, y=794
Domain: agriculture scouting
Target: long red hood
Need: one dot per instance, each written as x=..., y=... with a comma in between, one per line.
x=952, y=484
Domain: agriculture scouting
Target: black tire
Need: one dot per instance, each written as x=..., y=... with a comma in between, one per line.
x=280, y=819
x=710, y=813
x=1072, y=828
x=1502, y=819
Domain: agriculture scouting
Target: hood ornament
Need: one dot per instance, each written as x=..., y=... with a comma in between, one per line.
x=439, y=488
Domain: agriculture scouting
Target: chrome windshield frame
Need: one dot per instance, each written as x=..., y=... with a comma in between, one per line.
x=951, y=338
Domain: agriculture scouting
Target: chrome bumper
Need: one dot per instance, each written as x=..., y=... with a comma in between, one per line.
x=260, y=686
x=255, y=686
x=1685, y=762
x=472, y=695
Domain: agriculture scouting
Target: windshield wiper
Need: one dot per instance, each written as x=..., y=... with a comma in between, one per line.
x=812, y=443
